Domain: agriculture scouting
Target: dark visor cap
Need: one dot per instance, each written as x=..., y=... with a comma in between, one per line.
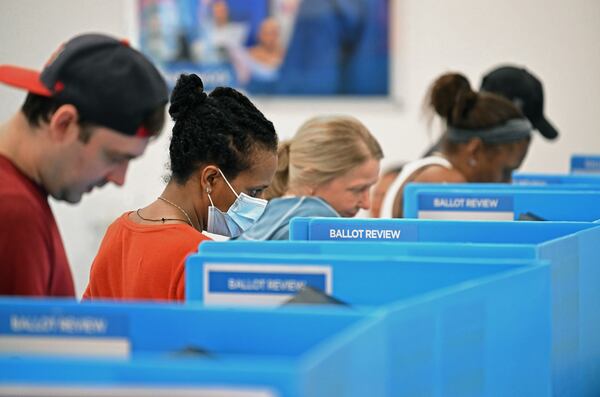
x=110, y=83
x=525, y=91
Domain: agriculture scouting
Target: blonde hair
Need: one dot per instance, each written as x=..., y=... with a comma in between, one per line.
x=324, y=148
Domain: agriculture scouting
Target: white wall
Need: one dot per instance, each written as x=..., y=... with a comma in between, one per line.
x=558, y=40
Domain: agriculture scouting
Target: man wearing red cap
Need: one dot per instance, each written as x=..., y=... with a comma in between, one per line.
x=92, y=109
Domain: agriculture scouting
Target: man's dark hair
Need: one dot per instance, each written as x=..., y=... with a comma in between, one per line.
x=223, y=128
x=39, y=109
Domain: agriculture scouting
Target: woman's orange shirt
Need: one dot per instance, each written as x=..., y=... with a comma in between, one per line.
x=142, y=261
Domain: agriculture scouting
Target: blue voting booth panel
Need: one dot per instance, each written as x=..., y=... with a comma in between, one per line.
x=457, y=349
x=395, y=230
x=432, y=201
x=590, y=320
x=440, y=311
x=566, y=181
x=371, y=248
x=375, y=280
x=585, y=164
x=570, y=247
x=251, y=352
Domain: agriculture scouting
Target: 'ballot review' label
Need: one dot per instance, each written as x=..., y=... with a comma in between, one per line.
x=585, y=164
x=256, y=284
x=371, y=230
x=465, y=206
x=46, y=332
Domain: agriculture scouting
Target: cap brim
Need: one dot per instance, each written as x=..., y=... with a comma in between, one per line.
x=545, y=128
x=23, y=78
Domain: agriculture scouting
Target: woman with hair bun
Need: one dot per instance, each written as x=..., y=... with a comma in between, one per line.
x=486, y=138
x=325, y=170
x=223, y=155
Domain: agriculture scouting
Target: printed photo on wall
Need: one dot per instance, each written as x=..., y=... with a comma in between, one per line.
x=272, y=47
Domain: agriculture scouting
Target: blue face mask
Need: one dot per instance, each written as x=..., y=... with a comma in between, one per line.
x=239, y=217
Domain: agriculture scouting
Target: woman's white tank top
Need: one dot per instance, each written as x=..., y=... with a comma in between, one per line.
x=407, y=171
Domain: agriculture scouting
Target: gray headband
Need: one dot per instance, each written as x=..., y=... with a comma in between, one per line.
x=511, y=131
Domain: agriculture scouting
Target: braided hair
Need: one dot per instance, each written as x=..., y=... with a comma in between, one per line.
x=223, y=128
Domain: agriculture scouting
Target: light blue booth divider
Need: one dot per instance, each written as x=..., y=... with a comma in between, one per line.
x=150, y=348
x=585, y=164
x=573, y=181
x=394, y=230
x=455, y=326
x=570, y=247
x=467, y=201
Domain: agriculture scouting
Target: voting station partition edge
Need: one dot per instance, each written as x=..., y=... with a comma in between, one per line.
x=60, y=347
x=585, y=164
x=432, y=298
x=500, y=202
x=574, y=181
x=569, y=246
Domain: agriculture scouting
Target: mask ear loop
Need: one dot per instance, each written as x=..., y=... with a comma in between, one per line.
x=208, y=190
x=228, y=184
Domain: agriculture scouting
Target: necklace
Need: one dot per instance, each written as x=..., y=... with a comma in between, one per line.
x=179, y=208
x=157, y=220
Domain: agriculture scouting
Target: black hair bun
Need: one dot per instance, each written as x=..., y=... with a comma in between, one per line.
x=465, y=102
x=187, y=94
x=445, y=93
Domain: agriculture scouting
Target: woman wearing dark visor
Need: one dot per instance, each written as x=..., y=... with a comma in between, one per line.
x=486, y=138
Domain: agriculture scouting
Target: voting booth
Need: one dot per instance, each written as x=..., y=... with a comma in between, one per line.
x=511, y=202
x=60, y=347
x=272, y=279
x=458, y=309
x=585, y=164
x=569, y=246
x=565, y=181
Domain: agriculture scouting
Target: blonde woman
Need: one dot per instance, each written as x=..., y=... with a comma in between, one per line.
x=325, y=170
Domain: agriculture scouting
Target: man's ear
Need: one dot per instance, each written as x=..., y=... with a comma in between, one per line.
x=64, y=123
